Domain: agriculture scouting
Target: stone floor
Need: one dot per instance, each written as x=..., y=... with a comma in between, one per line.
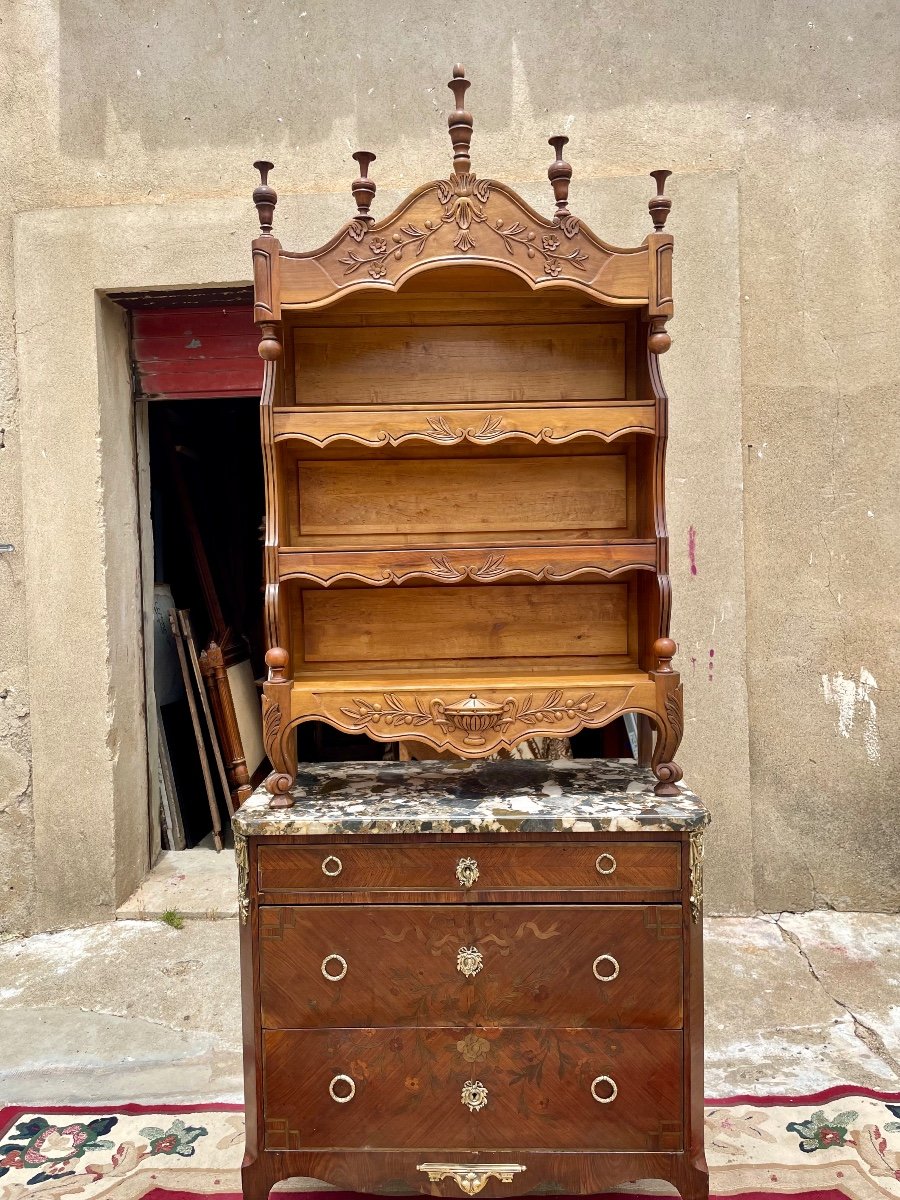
x=137, y=1010
x=195, y=883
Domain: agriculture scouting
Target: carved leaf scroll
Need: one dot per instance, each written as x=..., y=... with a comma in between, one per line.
x=393, y=713
x=463, y=199
x=556, y=708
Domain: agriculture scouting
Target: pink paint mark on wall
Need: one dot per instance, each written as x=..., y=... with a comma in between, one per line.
x=692, y=549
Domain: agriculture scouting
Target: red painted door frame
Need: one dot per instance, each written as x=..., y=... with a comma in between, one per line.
x=195, y=353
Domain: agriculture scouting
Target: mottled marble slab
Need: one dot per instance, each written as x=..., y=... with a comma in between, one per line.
x=507, y=796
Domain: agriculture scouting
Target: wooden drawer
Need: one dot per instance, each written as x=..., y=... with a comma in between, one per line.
x=407, y=1087
x=595, y=866
x=404, y=965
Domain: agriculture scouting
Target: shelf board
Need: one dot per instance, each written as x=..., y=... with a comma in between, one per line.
x=476, y=711
x=478, y=562
x=378, y=428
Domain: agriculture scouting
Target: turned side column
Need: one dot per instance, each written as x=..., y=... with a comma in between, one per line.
x=279, y=737
x=669, y=718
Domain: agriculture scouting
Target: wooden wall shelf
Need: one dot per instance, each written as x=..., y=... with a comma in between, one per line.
x=464, y=431
x=479, y=426
x=541, y=562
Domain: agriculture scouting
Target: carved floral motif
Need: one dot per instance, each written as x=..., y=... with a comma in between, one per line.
x=474, y=716
x=463, y=198
x=460, y=199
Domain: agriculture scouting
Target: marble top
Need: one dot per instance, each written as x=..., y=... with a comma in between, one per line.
x=505, y=796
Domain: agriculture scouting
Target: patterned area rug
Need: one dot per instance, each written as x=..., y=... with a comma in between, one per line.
x=843, y=1142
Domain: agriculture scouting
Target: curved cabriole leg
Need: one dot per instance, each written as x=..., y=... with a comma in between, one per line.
x=279, y=739
x=692, y=1183
x=259, y=1177
x=669, y=719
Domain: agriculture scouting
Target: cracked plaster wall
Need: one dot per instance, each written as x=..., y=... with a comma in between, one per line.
x=783, y=123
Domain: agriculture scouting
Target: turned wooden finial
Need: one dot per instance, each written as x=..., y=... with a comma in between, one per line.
x=265, y=197
x=560, y=173
x=660, y=205
x=460, y=122
x=664, y=650
x=276, y=661
x=363, y=189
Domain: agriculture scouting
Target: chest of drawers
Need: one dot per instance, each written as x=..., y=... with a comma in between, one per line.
x=466, y=978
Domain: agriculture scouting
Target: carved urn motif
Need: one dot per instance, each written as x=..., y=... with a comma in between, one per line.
x=474, y=716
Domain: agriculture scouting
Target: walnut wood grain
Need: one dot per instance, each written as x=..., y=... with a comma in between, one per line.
x=446, y=392
x=519, y=866
x=388, y=965
x=408, y=1088
x=569, y=1173
x=544, y=562
x=585, y=1170
x=488, y=364
x=436, y=410
x=425, y=230
x=357, y=625
x=477, y=424
x=421, y=496
x=557, y=700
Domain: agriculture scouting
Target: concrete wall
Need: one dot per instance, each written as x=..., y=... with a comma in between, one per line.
x=126, y=147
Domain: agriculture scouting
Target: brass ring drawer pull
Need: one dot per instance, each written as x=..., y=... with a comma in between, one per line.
x=467, y=872
x=602, y=958
x=332, y=865
x=474, y=1095
x=333, y=1093
x=604, y=1099
x=607, y=861
x=342, y=967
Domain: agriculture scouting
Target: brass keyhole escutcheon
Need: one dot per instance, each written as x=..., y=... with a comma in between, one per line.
x=469, y=960
x=467, y=872
x=474, y=1095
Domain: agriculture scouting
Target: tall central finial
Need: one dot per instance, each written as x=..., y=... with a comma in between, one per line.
x=460, y=122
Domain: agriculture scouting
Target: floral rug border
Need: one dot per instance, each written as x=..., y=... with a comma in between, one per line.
x=836, y=1143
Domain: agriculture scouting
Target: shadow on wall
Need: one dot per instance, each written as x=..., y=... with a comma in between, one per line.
x=179, y=74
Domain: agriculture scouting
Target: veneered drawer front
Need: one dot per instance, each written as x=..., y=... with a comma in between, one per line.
x=596, y=865
x=611, y=966
x=397, y=965
x=534, y=1087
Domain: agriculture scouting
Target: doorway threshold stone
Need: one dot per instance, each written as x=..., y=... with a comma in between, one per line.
x=195, y=884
